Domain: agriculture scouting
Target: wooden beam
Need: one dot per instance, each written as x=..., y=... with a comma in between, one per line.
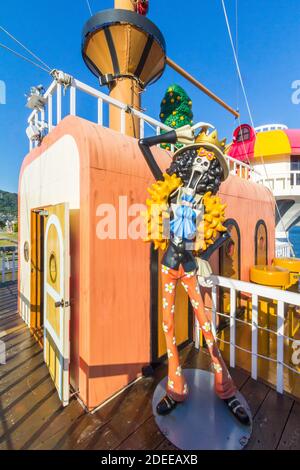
x=201, y=87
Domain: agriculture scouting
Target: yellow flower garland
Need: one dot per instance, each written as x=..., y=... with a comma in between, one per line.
x=157, y=213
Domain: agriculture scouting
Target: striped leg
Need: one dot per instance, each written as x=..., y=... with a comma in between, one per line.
x=177, y=387
x=224, y=385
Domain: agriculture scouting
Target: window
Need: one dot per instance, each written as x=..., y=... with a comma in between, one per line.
x=243, y=134
x=230, y=253
x=295, y=167
x=230, y=265
x=261, y=243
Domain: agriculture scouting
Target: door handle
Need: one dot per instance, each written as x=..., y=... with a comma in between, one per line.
x=62, y=304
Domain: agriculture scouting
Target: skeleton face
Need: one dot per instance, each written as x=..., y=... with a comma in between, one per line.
x=201, y=165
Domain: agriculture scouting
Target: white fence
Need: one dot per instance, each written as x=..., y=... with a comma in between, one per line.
x=270, y=127
x=68, y=106
x=59, y=104
x=283, y=299
x=282, y=250
x=8, y=264
x=283, y=183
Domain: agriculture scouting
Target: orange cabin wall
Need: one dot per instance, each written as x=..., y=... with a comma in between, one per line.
x=110, y=279
x=247, y=203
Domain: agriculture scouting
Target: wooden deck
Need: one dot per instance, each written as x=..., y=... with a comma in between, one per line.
x=31, y=416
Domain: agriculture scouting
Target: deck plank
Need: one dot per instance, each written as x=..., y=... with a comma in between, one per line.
x=270, y=421
x=31, y=415
x=146, y=437
x=255, y=393
x=290, y=439
x=166, y=446
x=123, y=415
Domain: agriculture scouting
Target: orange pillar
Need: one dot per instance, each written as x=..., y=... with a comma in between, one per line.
x=127, y=91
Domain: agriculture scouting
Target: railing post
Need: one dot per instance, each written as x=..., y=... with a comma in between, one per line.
x=123, y=122
x=142, y=128
x=280, y=345
x=232, y=326
x=254, y=336
x=59, y=102
x=214, y=310
x=13, y=266
x=50, y=112
x=100, y=111
x=73, y=100
x=36, y=120
x=197, y=334
x=3, y=267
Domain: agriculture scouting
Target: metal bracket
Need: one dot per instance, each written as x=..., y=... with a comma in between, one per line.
x=62, y=78
x=41, y=212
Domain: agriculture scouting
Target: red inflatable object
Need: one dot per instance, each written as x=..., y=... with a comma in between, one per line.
x=142, y=7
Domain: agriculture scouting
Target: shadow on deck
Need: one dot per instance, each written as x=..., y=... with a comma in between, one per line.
x=31, y=416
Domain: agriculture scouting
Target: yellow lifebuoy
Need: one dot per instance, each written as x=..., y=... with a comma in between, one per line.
x=292, y=264
x=272, y=276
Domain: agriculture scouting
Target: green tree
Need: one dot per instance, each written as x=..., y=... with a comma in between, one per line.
x=176, y=109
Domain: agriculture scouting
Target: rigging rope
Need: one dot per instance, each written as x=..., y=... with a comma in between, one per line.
x=25, y=48
x=237, y=81
x=237, y=63
x=89, y=7
x=23, y=57
x=250, y=115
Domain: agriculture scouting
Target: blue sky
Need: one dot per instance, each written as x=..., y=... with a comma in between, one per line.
x=197, y=39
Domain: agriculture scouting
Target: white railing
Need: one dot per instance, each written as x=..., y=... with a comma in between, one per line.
x=287, y=183
x=56, y=98
x=270, y=127
x=8, y=264
x=59, y=104
x=242, y=170
x=283, y=299
x=282, y=250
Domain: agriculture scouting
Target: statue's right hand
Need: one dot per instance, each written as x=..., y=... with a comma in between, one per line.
x=185, y=135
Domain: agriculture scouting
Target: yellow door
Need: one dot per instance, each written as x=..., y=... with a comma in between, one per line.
x=56, y=297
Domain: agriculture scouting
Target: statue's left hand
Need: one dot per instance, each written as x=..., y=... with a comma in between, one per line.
x=206, y=282
x=204, y=273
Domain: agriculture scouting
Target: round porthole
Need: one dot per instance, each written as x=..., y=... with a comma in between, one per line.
x=26, y=251
x=53, y=268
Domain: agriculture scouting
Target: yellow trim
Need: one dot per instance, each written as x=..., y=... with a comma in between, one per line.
x=272, y=143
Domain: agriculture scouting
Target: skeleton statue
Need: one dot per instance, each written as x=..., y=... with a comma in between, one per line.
x=184, y=218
